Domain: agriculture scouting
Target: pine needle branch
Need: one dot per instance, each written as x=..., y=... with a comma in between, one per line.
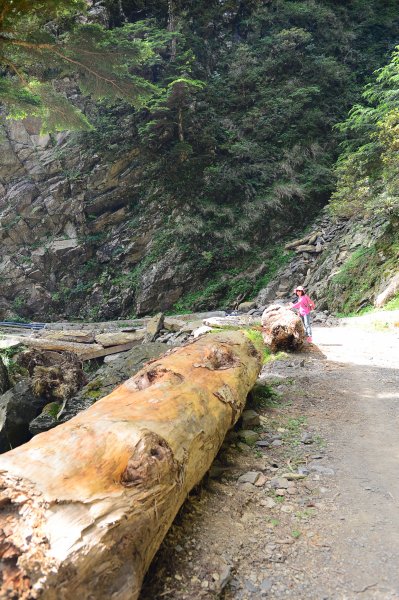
x=14, y=67
x=55, y=50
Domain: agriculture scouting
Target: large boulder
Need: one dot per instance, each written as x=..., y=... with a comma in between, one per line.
x=282, y=329
x=388, y=292
x=4, y=381
x=154, y=326
x=18, y=407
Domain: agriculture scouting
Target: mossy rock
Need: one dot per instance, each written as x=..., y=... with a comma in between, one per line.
x=46, y=420
x=52, y=409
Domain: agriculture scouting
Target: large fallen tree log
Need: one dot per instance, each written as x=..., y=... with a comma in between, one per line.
x=282, y=329
x=85, y=506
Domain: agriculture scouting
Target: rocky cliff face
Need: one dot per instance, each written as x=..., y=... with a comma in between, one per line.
x=345, y=265
x=72, y=232
x=185, y=204
x=76, y=241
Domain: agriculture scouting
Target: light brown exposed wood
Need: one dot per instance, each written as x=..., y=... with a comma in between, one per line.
x=119, y=337
x=85, y=506
x=81, y=337
x=59, y=345
x=296, y=243
x=282, y=329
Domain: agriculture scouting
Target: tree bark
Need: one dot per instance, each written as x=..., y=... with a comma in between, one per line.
x=172, y=28
x=85, y=506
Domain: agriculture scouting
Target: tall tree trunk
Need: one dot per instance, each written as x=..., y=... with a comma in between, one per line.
x=180, y=126
x=172, y=27
x=85, y=506
x=121, y=12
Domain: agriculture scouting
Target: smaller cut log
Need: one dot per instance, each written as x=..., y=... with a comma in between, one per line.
x=81, y=337
x=314, y=236
x=282, y=329
x=60, y=346
x=232, y=321
x=306, y=248
x=296, y=243
x=118, y=338
x=83, y=351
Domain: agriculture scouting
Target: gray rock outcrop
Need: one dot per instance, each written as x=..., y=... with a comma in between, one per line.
x=4, y=380
x=336, y=245
x=18, y=407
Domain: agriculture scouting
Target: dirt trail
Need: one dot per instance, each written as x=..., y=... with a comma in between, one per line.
x=334, y=534
x=363, y=448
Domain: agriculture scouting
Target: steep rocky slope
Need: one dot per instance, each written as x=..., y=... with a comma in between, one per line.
x=149, y=211
x=58, y=205
x=345, y=264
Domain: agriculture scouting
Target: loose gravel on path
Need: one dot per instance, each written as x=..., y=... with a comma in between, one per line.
x=333, y=534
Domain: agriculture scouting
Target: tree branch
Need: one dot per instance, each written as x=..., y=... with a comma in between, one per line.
x=53, y=48
x=14, y=67
x=6, y=7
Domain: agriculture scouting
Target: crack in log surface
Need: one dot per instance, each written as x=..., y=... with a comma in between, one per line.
x=225, y=394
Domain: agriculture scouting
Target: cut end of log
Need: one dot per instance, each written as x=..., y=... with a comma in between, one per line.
x=282, y=329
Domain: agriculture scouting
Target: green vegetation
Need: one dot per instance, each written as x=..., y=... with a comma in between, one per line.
x=228, y=285
x=93, y=389
x=236, y=149
x=264, y=396
x=52, y=409
x=274, y=522
x=15, y=371
x=255, y=335
x=355, y=280
x=296, y=534
x=352, y=289
x=306, y=514
x=227, y=112
x=45, y=41
x=368, y=172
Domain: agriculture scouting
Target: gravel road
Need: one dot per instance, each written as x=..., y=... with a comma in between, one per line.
x=332, y=535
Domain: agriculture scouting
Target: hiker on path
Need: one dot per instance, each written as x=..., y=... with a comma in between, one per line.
x=304, y=305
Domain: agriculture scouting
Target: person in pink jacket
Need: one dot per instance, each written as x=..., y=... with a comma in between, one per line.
x=304, y=305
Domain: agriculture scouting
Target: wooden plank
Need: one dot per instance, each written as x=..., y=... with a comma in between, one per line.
x=107, y=351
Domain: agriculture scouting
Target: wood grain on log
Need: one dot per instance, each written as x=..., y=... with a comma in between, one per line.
x=118, y=338
x=81, y=337
x=85, y=506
